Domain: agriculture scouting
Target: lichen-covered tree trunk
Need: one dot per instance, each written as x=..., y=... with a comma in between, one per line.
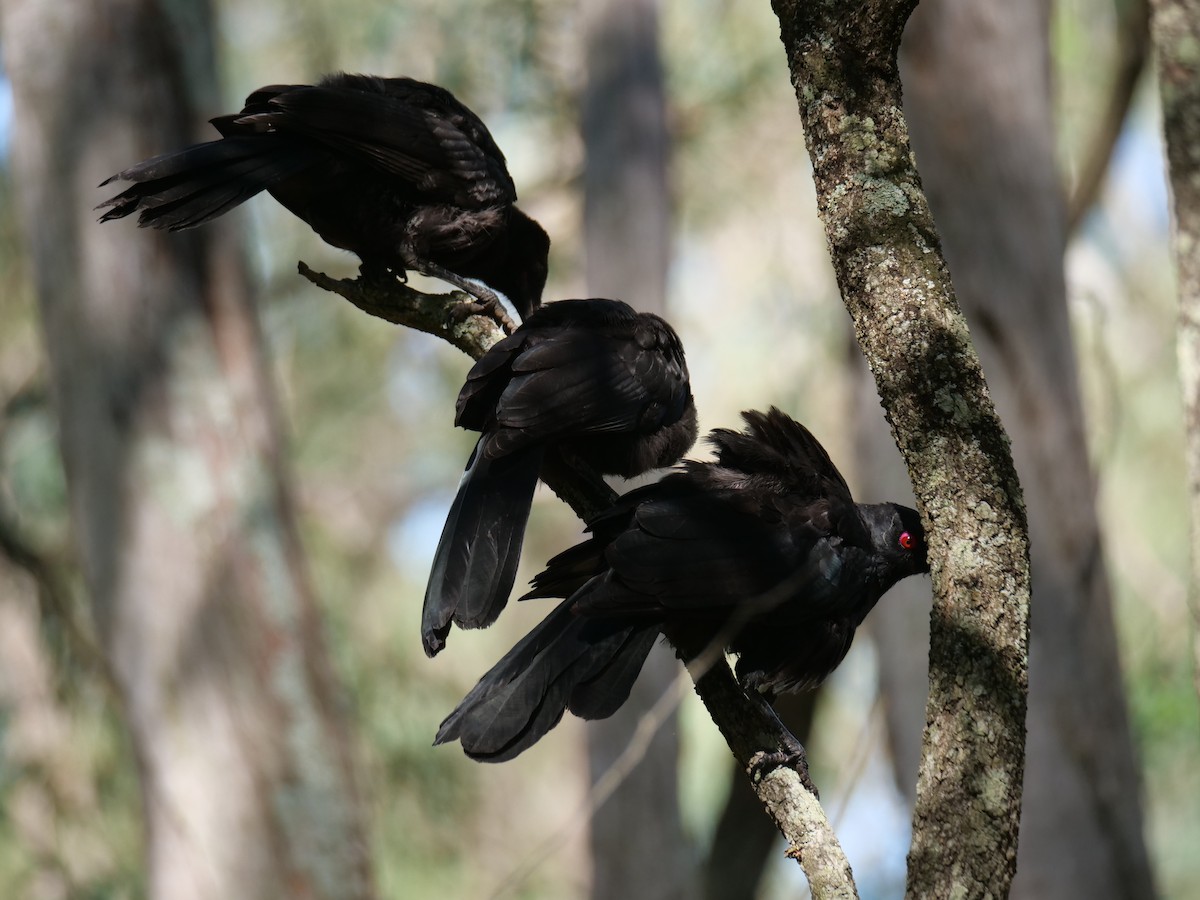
x=171, y=447
x=896, y=286
x=978, y=97
x=1176, y=29
x=626, y=231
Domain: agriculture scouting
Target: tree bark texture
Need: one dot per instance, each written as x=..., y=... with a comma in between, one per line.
x=752, y=729
x=626, y=234
x=170, y=441
x=1176, y=27
x=896, y=286
x=979, y=101
x=744, y=840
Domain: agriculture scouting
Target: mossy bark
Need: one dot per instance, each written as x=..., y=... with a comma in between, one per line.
x=897, y=288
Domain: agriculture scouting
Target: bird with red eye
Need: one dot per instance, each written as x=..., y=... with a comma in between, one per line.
x=763, y=548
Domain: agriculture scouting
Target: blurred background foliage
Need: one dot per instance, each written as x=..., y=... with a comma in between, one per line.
x=375, y=457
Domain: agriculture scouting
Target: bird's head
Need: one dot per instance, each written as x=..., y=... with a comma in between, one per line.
x=529, y=250
x=898, y=537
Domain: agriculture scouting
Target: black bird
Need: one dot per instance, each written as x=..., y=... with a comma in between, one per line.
x=586, y=380
x=763, y=549
x=395, y=170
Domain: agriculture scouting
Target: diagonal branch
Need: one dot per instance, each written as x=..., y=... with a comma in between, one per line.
x=55, y=602
x=752, y=730
x=448, y=316
x=754, y=734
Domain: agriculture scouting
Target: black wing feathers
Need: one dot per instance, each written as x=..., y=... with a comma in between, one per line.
x=775, y=444
x=763, y=549
x=397, y=171
x=589, y=379
x=414, y=134
x=565, y=662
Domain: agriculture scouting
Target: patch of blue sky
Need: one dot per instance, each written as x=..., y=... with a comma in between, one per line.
x=6, y=115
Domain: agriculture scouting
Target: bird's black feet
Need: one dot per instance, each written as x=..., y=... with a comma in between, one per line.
x=791, y=755
x=487, y=303
x=793, y=758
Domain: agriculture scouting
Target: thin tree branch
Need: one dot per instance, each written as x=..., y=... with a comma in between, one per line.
x=896, y=286
x=754, y=733
x=448, y=316
x=744, y=840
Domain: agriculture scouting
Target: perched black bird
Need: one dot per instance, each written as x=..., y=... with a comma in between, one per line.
x=395, y=170
x=588, y=380
x=763, y=549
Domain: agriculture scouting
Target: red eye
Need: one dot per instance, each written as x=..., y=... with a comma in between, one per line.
x=906, y=541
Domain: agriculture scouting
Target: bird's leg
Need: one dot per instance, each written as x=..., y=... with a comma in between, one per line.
x=580, y=470
x=791, y=755
x=793, y=758
x=489, y=301
x=742, y=712
x=377, y=273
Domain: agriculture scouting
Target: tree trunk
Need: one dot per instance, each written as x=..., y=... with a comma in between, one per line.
x=979, y=102
x=1176, y=37
x=627, y=217
x=896, y=285
x=170, y=441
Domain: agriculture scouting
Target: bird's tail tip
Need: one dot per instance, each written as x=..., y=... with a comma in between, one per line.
x=443, y=736
x=434, y=640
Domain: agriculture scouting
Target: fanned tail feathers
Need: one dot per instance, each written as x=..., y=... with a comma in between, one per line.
x=190, y=187
x=566, y=662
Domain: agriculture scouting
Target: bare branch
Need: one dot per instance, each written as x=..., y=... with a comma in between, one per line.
x=753, y=732
x=451, y=317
